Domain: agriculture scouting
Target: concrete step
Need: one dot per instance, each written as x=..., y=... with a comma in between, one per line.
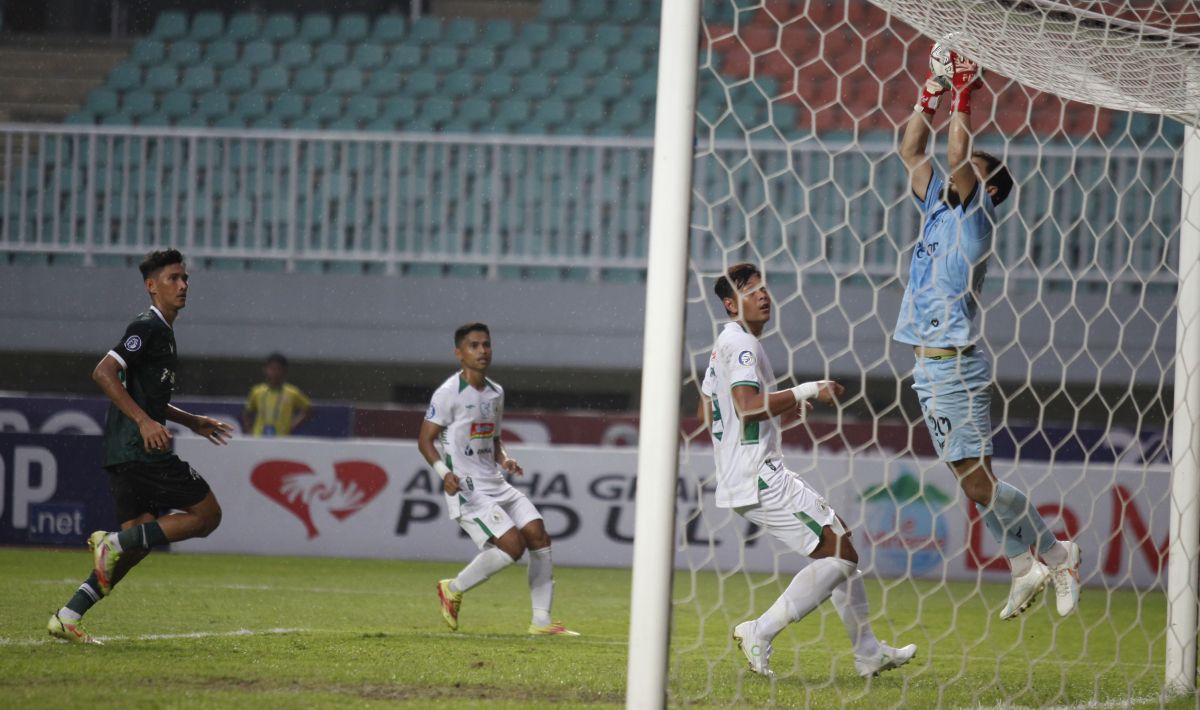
x=39, y=65
x=38, y=111
x=61, y=90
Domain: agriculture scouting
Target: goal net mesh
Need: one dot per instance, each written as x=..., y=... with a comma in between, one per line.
x=799, y=108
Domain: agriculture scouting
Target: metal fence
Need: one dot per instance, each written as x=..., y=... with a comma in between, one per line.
x=554, y=207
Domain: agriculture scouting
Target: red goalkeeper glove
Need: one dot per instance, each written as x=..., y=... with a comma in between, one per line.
x=967, y=77
x=931, y=95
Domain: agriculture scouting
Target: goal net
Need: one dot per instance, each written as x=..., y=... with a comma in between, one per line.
x=800, y=104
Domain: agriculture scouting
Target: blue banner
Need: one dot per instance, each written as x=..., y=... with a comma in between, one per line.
x=53, y=490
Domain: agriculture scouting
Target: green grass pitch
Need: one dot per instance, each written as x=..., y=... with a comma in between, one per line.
x=222, y=631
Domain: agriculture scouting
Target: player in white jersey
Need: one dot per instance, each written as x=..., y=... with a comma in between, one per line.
x=465, y=416
x=752, y=479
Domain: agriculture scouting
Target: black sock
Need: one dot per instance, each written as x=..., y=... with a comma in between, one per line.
x=86, y=596
x=142, y=537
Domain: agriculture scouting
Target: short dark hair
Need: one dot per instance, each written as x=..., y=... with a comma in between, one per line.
x=278, y=358
x=466, y=328
x=997, y=176
x=156, y=260
x=734, y=278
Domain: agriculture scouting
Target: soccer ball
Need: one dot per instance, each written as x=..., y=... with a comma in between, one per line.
x=940, y=65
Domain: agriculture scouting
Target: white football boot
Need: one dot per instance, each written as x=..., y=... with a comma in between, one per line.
x=1066, y=580
x=885, y=659
x=1025, y=590
x=756, y=650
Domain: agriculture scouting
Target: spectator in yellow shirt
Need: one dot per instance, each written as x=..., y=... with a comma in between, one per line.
x=274, y=407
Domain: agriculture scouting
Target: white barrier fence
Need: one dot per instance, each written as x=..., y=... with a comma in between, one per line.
x=378, y=499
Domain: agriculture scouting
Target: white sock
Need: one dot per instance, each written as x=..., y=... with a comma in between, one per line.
x=850, y=600
x=1021, y=564
x=67, y=615
x=811, y=586
x=541, y=585
x=485, y=564
x=1057, y=555
x=116, y=542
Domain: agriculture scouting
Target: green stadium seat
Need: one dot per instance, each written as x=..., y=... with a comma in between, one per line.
x=533, y=127
x=479, y=59
x=631, y=12
x=534, y=35
x=557, y=10
x=102, y=101
x=643, y=37
x=309, y=80
x=399, y=109
x=332, y=54
x=497, y=85
x=148, y=52
x=591, y=11
x=272, y=79
x=362, y=108
x=421, y=82
x=325, y=107
x=231, y=121
x=347, y=80
x=591, y=61
x=221, y=53
x=426, y=30
x=353, y=27
x=551, y=111
x=383, y=83
x=459, y=84
x=153, y=120
x=268, y=122
x=461, y=31
x=207, y=26
x=609, y=87
x=572, y=36
x=161, y=78
x=170, y=26
x=442, y=58
x=644, y=87
x=250, y=106
x=590, y=112
x=609, y=37
x=475, y=111
x=570, y=87
x=630, y=62
x=554, y=60
x=237, y=79
x=369, y=56
x=138, y=103
x=403, y=58
x=458, y=124
x=279, y=27
x=258, y=53
x=287, y=107
x=513, y=111
x=389, y=29
x=437, y=109
x=627, y=114
x=177, y=104
x=517, y=60
x=125, y=77
x=201, y=78
x=345, y=123
x=212, y=104
x=534, y=86
x=316, y=27
x=497, y=33
x=381, y=125
x=243, y=27
x=295, y=54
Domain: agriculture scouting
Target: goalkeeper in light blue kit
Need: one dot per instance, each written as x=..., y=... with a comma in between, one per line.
x=952, y=377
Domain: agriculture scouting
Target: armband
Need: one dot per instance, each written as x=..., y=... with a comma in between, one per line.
x=441, y=468
x=808, y=390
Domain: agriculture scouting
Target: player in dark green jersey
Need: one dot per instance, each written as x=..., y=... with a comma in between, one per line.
x=148, y=480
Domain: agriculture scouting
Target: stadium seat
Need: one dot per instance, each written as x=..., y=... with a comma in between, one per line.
x=237, y=79
x=316, y=28
x=231, y=121
x=148, y=52
x=325, y=107
x=459, y=84
x=258, y=53
x=170, y=26
x=138, y=103
x=479, y=59
x=497, y=33
x=308, y=80
x=590, y=112
x=533, y=86
x=610, y=86
x=512, y=112
x=177, y=104
x=643, y=37
x=332, y=54
x=551, y=111
x=461, y=31
x=250, y=106
x=425, y=31
x=279, y=28
x=421, y=82
x=287, y=107
x=200, y=78
x=557, y=10
x=475, y=112
x=207, y=26
x=442, y=58
x=383, y=83
x=352, y=28
x=403, y=58
x=268, y=122
x=534, y=35
x=184, y=53
x=213, y=104
x=345, y=123
x=627, y=114
x=272, y=79
x=153, y=120
x=609, y=37
x=570, y=87
x=161, y=78
x=554, y=60
x=517, y=60
x=496, y=86
x=125, y=77
x=389, y=29
x=591, y=11
x=437, y=110
x=399, y=109
x=243, y=27
x=295, y=54
x=591, y=61
x=644, y=87
x=630, y=62
x=572, y=36
x=102, y=101
x=347, y=80
x=369, y=56
x=221, y=53
x=630, y=12
x=362, y=108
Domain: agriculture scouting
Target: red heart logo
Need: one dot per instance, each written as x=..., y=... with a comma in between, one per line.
x=296, y=487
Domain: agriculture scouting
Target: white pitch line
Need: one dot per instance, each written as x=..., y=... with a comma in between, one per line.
x=1090, y=705
x=159, y=637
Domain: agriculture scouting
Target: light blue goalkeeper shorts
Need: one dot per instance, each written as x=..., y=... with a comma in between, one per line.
x=956, y=396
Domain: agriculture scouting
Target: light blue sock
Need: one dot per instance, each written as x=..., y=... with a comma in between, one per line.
x=1013, y=545
x=1015, y=513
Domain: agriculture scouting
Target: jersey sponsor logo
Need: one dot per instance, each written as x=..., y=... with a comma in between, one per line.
x=746, y=357
x=923, y=249
x=482, y=430
x=133, y=343
x=431, y=412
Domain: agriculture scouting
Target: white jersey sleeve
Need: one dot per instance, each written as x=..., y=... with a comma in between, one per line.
x=441, y=407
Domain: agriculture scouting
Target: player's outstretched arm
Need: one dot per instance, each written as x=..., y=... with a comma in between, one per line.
x=958, y=145
x=914, y=144
x=426, y=439
x=755, y=407
x=107, y=375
